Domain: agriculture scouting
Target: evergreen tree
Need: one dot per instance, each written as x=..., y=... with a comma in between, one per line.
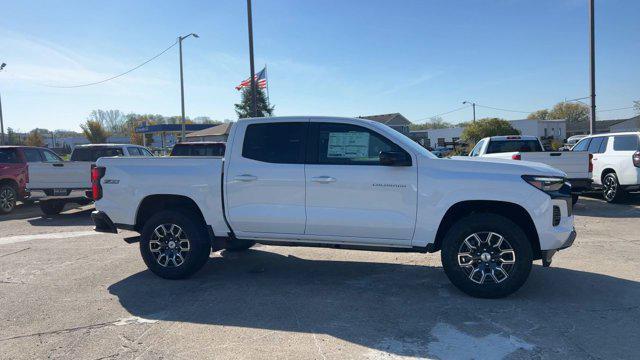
x=243, y=109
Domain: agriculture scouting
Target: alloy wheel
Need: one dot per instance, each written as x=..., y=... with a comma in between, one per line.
x=486, y=257
x=7, y=200
x=169, y=245
x=610, y=188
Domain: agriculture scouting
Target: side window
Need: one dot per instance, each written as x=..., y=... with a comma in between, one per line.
x=133, y=151
x=8, y=156
x=476, y=149
x=50, y=156
x=594, y=146
x=32, y=155
x=281, y=143
x=346, y=144
x=603, y=146
x=81, y=154
x=582, y=145
x=145, y=152
x=625, y=143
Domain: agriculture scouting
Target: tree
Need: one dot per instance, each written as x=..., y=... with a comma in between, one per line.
x=34, y=139
x=112, y=120
x=571, y=111
x=433, y=123
x=13, y=138
x=543, y=114
x=243, y=109
x=136, y=120
x=482, y=128
x=94, y=132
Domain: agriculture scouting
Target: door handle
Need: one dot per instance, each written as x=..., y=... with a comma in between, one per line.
x=245, y=177
x=323, y=179
x=58, y=165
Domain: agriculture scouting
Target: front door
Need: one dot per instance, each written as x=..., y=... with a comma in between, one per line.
x=265, y=187
x=350, y=194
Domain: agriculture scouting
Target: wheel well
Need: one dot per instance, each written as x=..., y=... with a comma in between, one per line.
x=604, y=173
x=155, y=203
x=9, y=182
x=513, y=212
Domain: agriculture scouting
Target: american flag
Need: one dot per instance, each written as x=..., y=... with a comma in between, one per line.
x=261, y=80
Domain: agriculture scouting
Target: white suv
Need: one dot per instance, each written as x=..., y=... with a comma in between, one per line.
x=616, y=162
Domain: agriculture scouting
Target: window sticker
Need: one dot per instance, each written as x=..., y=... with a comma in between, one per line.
x=348, y=145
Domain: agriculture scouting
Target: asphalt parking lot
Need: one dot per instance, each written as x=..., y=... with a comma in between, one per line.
x=67, y=292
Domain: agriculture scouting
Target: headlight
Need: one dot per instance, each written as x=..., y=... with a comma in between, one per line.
x=544, y=183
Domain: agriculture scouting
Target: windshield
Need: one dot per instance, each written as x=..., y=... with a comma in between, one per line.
x=497, y=146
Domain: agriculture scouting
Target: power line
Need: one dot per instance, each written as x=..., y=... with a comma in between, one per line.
x=623, y=108
x=113, y=77
x=444, y=113
x=507, y=110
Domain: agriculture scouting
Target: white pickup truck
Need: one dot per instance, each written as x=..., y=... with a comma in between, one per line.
x=342, y=183
x=55, y=182
x=577, y=166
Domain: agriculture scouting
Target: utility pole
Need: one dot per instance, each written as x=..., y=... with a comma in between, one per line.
x=254, y=95
x=1, y=120
x=592, y=65
x=474, y=108
x=180, y=38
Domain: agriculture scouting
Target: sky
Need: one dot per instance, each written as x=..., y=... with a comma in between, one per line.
x=336, y=58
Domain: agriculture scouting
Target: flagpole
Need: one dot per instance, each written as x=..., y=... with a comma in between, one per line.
x=254, y=105
x=266, y=77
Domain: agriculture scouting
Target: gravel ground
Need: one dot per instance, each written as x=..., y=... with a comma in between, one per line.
x=66, y=292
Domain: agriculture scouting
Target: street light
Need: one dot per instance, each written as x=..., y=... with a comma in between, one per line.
x=180, y=38
x=474, y=108
x=1, y=121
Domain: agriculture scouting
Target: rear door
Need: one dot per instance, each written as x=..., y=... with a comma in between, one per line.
x=265, y=183
x=624, y=146
x=350, y=194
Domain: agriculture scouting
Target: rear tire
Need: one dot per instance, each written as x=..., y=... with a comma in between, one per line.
x=52, y=207
x=612, y=192
x=174, y=245
x=8, y=198
x=486, y=256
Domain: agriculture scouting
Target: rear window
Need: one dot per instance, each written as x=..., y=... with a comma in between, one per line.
x=625, y=143
x=9, y=156
x=198, y=150
x=93, y=154
x=513, y=145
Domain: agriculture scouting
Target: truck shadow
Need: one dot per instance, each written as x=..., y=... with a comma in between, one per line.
x=377, y=305
x=72, y=216
x=593, y=205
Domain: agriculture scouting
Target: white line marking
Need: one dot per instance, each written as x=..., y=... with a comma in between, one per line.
x=58, y=235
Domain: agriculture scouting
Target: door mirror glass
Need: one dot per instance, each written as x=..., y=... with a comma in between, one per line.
x=394, y=158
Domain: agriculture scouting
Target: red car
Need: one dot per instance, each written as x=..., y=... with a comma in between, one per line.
x=13, y=176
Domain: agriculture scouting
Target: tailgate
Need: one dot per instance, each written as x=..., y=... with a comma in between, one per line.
x=574, y=164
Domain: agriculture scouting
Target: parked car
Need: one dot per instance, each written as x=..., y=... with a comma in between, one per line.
x=55, y=182
x=342, y=183
x=576, y=165
x=13, y=177
x=616, y=163
x=205, y=148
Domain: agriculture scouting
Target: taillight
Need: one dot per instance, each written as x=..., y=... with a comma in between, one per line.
x=636, y=159
x=97, y=172
x=516, y=157
x=590, y=162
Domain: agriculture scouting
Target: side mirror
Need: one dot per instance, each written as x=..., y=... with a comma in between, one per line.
x=394, y=158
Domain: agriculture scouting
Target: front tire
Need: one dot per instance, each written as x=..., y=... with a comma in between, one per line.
x=8, y=198
x=486, y=256
x=174, y=245
x=611, y=189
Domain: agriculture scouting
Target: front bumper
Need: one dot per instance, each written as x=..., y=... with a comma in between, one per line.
x=103, y=222
x=547, y=255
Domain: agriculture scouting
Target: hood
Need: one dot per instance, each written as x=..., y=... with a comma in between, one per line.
x=501, y=166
